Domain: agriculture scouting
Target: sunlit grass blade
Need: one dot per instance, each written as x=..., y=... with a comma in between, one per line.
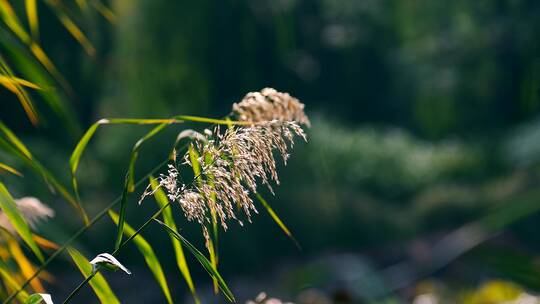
x=207, y=265
x=161, y=199
x=44, y=243
x=26, y=267
x=149, y=256
x=11, y=84
x=104, y=11
x=76, y=32
x=85, y=139
x=32, y=70
x=129, y=185
x=8, y=15
x=227, y=122
x=6, y=168
x=214, y=240
x=9, y=207
x=135, y=154
x=98, y=283
x=14, y=146
x=81, y=145
x=44, y=59
x=14, y=140
x=83, y=4
x=120, y=225
x=72, y=27
x=212, y=245
x=32, y=15
x=276, y=219
x=10, y=282
x=83, y=142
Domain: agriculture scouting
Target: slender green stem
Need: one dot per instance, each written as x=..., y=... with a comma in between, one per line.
x=138, y=231
x=212, y=120
x=76, y=290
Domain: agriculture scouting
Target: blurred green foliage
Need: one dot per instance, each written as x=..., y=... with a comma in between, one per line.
x=425, y=118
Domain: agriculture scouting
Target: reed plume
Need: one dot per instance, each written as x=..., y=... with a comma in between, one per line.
x=268, y=105
x=233, y=162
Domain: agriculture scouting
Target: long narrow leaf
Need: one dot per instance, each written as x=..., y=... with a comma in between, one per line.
x=32, y=15
x=8, y=15
x=104, y=11
x=11, y=283
x=276, y=219
x=207, y=265
x=135, y=154
x=15, y=141
x=4, y=167
x=71, y=26
x=33, y=70
x=10, y=82
x=161, y=199
x=149, y=256
x=214, y=240
x=123, y=203
x=18, y=149
x=9, y=207
x=83, y=142
x=26, y=267
x=44, y=59
x=98, y=283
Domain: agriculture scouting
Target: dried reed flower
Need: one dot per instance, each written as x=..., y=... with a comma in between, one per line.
x=268, y=105
x=32, y=209
x=232, y=163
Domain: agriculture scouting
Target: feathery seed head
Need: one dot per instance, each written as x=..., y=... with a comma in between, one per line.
x=235, y=161
x=269, y=104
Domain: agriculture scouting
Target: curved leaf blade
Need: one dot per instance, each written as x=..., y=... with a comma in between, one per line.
x=6, y=168
x=122, y=217
x=161, y=199
x=98, y=283
x=276, y=219
x=9, y=207
x=149, y=256
x=32, y=16
x=207, y=265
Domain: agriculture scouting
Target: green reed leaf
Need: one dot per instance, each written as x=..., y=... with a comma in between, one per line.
x=4, y=167
x=123, y=203
x=207, y=265
x=135, y=154
x=7, y=278
x=149, y=256
x=98, y=283
x=9, y=207
x=8, y=15
x=12, y=145
x=161, y=199
x=32, y=16
x=276, y=219
x=15, y=85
